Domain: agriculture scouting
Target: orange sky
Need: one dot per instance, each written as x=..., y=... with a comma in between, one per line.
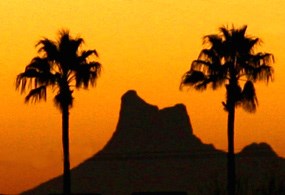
x=143, y=45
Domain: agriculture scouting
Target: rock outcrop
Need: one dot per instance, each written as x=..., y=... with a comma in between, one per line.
x=143, y=129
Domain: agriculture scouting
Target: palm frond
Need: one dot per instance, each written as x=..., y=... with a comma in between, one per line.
x=85, y=54
x=87, y=74
x=208, y=62
x=208, y=55
x=74, y=45
x=64, y=43
x=39, y=64
x=266, y=58
x=21, y=83
x=64, y=36
x=218, y=80
x=193, y=78
x=259, y=67
x=36, y=94
x=263, y=73
x=248, y=99
x=260, y=58
x=48, y=48
x=68, y=45
x=252, y=43
x=26, y=78
x=203, y=84
x=241, y=31
x=212, y=39
x=43, y=70
x=201, y=65
x=226, y=33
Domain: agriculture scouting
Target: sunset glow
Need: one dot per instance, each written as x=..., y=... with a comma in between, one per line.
x=143, y=45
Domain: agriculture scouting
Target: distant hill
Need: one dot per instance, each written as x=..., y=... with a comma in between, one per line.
x=155, y=150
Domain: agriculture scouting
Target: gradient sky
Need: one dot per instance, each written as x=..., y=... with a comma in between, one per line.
x=144, y=45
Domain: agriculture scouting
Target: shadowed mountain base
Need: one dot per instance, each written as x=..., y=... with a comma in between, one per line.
x=159, y=193
x=155, y=150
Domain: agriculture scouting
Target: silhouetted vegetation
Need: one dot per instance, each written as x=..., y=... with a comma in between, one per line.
x=60, y=65
x=229, y=59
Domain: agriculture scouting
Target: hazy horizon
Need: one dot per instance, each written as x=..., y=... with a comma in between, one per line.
x=142, y=45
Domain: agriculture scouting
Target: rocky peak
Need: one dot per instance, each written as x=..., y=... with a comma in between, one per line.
x=144, y=128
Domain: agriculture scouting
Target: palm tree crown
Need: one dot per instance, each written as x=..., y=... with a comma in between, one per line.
x=229, y=58
x=60, y=65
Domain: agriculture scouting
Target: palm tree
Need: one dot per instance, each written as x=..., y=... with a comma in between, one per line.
x=61, y=66
x=229, y=59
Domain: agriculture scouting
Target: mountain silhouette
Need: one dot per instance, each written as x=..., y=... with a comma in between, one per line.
x=155, y=150
x=143, y=129
x=259, y=150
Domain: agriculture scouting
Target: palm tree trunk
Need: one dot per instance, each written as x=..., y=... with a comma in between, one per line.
x=231, y=172
x=65, y=144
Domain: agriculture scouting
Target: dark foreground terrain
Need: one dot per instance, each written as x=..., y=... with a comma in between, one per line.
x=155, y=151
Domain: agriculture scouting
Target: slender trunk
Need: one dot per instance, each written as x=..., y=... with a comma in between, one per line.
x=231, y=154
x=232, y=94
x=65, y=144
x=231, y=172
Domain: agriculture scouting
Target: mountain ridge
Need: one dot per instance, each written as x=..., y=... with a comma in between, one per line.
x=136, y=130
x=153, y=147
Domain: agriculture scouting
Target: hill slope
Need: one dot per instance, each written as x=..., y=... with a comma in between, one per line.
x=156, y=150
